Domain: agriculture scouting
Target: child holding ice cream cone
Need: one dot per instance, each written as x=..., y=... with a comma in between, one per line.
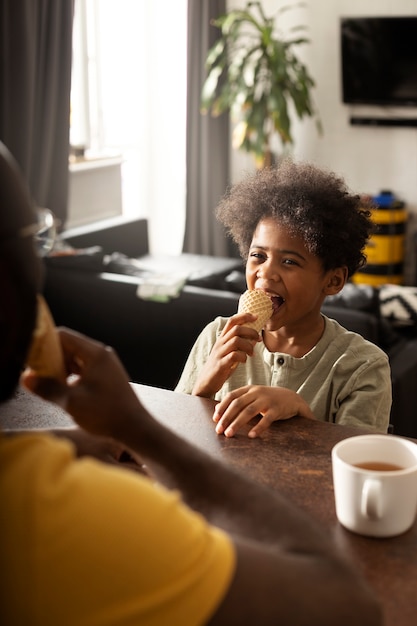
x=302, y=235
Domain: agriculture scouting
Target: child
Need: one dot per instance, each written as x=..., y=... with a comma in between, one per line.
x=302, y=235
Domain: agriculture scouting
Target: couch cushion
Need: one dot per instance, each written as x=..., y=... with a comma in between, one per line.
x=360, y=322
x=358, y=297
x=398, y=304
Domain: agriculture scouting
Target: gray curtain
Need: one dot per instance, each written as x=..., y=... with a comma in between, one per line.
x=207, y=141
x=35, y=83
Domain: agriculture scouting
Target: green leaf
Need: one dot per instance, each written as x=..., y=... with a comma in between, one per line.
x=215, y=53
x=209, y=88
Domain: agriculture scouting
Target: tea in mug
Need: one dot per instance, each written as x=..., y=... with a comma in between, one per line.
x=378, y=466
x=375, y=484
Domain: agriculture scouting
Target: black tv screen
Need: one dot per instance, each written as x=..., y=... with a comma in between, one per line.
x=379, y=60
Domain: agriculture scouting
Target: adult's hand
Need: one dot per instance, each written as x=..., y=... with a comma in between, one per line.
x=97, y=393
x=103, y=449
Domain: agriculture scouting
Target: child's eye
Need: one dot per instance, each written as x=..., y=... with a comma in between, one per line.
x=257, y=255
x=289, y=262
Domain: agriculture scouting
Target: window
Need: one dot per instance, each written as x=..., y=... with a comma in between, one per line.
x=128, y=97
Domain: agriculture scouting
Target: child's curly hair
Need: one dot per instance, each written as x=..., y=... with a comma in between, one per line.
x=310, y=202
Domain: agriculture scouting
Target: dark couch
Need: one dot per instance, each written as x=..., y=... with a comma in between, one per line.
x=95, y=292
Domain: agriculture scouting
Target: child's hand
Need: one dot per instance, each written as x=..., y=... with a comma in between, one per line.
x=233, y=346
x=271, y=403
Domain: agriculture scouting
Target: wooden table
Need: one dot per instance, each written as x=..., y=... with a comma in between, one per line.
x=292, y=457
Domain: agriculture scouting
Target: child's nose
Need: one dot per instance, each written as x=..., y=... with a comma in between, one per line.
x=269, y=271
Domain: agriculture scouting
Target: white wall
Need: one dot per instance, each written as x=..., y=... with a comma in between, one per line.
x=369, y=158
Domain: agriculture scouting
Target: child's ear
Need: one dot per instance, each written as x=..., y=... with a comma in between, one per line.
x=336, y=280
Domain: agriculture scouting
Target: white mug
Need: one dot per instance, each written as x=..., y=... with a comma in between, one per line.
x=375, y=484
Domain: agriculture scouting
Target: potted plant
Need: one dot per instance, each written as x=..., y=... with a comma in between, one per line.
x=255, y=74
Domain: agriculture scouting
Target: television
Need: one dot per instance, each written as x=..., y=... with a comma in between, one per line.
x=379, y=60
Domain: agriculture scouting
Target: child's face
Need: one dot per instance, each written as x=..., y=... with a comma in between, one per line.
x=279, y=264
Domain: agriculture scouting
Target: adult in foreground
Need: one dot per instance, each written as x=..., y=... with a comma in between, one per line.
x=87, y=543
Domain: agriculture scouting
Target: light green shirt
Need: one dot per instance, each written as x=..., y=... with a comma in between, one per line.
x=344, y=378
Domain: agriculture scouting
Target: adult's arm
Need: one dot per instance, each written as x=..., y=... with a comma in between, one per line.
x=288, y=571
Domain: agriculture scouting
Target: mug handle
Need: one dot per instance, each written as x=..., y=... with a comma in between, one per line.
x=371, y=501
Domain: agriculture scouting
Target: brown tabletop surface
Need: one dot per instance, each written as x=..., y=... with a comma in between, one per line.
x=292, y=457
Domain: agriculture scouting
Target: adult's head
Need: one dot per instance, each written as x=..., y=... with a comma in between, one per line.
x=20, y=272
x=309, y=202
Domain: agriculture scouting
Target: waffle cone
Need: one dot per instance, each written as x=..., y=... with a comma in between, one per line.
x=45, y=356
x=258, y=303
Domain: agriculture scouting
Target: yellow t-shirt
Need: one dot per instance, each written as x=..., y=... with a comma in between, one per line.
x=82, y=543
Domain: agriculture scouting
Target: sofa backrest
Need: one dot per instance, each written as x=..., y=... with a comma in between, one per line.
x=360, y=322
x=130, y=237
